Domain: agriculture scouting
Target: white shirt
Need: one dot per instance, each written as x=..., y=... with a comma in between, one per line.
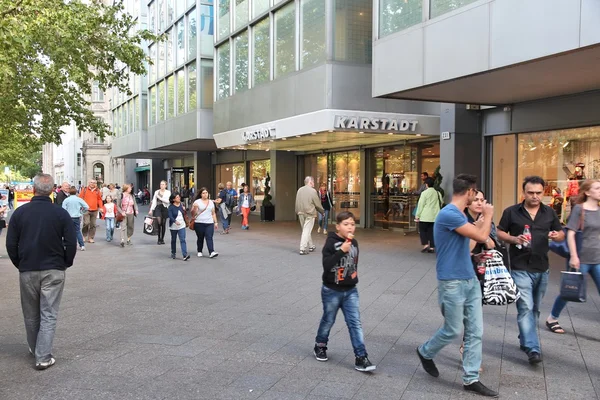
x=246, y=203
x=110, y=210
x=204, y=215
x=181, y=221
x=164, y=199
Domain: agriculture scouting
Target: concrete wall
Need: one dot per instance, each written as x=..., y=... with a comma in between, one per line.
x=284, y=184
x=328, y=86
x=482, y=36
x=193, y=125
x=548, y=114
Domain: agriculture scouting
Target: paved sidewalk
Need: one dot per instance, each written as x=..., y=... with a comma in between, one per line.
x=135, y=324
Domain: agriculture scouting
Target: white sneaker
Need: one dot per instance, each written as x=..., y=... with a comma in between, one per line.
x=45, y=365
x=325, y=232
x=199, y=254
x=319, y=230
x=82, y=248
x=213, y=254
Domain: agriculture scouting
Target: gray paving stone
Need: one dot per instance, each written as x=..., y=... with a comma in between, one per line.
x=242, y=326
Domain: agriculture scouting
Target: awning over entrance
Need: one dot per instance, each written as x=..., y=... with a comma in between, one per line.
x=142, y=168
x=329, y=129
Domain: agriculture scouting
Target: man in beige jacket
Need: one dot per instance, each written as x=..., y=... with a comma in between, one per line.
x=307, y=206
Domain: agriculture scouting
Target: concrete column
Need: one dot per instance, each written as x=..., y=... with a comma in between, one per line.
x=203, y=171
x=157, y=174
x=284, y=184
x=462, y=152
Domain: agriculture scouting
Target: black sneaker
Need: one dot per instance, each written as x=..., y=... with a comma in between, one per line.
x=186, y=258
x=363, y=364
x=173, y=256
x=480, y=388
x=428, y=365
x=534, y=357
x=320, y=353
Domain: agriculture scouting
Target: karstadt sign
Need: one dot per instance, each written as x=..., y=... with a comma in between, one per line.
x=258, y=134
x=375, y=124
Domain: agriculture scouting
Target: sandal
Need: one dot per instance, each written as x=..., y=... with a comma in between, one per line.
x=555, y=327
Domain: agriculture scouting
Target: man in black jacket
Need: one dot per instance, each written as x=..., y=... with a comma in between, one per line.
x=41, y=244
x=63, y=193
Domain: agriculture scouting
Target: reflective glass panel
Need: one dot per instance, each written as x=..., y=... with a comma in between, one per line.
x=224, y=23
x=241, y=13
x=160, y=101
x=170, y=97
x=169, y=45
x=152, y=100
x=170, y=12
x=207, y=83
x=397, y=15
x=240, y=72
x=180, y=92
x=262, y=51
x=206, y=30
x=180, y=42
x=192, y=88
x=312, y=32
x=440, y=7
x=192, y=34
x=152, y=51
x=259, y=7
x=285, y=40
x=224, y=63
x=353, y=31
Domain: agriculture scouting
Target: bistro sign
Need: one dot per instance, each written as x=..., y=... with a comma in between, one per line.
x=374, y=124
x=258, y=134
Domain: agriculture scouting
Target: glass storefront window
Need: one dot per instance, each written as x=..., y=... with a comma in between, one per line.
x=258, y=175
x=223, y=65
x=234, y=173
x=504, y=164
x=169, y=44
x=192, y=89
x=180, y=56
x=224, y=24
x=346, y=182
x=312, y=27
x=170, y=97
x=440, y=7
x=207, y=83
x=136, y=114
x=160, y=101
x=192, y=34
x=240, y=72
x=285, y=40
x=397, y=15
x=353, y=31
x=259, y=7
x=316, y=166
x=430, y=158
x=206, y=30
x=262, y=50
x=152, y=51
x=180, y=92
x=241, y=13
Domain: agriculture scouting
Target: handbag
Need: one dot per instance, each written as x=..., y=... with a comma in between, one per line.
x=499, y=288
x=150, y=226
x=572, y=286
x=562, y=248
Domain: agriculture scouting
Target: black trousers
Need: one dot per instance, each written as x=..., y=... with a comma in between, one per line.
x=426, y=233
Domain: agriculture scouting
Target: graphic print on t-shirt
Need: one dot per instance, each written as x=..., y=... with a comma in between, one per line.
x=347, y=265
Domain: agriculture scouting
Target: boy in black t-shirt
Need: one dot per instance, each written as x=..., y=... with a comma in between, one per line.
x=340, y=276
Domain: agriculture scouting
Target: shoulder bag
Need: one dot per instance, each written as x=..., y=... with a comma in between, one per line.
x=192, y=223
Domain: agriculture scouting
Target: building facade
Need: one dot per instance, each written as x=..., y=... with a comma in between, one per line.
x=523, y=74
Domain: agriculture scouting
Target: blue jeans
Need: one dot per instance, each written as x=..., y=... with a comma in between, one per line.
x=204, y=232
x=460, y=302
x=324, y=220
x=77, y=223
x=110, y=227
x=593, y=270
x=41, y=292
x=174, y=234
x=333, y=300
x=532, y=286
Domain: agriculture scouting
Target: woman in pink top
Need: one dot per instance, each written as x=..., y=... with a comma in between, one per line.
x=129, y=210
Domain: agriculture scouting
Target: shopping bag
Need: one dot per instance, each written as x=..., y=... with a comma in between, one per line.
x=572, y=286
x=499, y=288
x=150, y=226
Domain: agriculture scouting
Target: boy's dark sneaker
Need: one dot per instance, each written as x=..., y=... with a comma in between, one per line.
x=480, y=388
x=428, y=365
x=363, y=364
x=320, y=353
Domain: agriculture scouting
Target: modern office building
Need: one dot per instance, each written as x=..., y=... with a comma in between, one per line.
x=168, y=116
x=293, y=97
x=533, y=64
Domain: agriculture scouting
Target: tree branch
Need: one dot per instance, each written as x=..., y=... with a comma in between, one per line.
x=12, y=10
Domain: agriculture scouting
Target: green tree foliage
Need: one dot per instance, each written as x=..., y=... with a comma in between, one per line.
x=50, y=53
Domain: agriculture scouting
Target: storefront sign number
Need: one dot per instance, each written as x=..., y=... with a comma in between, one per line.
x=374, y=124
x=258, y=134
